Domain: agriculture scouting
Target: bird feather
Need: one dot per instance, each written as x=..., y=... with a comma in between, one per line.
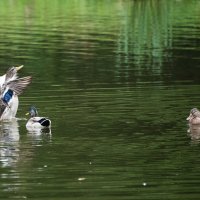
x=19, y=84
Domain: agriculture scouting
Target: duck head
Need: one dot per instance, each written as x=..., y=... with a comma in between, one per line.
x=194, y=116
x=32, y=111
x=12, y=71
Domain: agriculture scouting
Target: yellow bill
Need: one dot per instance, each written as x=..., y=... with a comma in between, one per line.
x=18, y=68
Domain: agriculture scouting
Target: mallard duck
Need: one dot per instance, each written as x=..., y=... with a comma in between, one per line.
x=194, y=117
x=35, y=121
x=10, y=88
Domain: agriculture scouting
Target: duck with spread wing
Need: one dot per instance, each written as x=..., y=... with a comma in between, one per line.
x=10, y=88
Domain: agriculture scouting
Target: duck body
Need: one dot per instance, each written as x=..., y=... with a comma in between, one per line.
x=194, y=117
x=10, y=87
x=8, y=113
x=36, y=122
x=11, y=111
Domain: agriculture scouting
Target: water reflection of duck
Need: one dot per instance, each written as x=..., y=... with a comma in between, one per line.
x=36, y=122
x=9, y=142
x=10, y=87
x=39, y=134
x=194, y=117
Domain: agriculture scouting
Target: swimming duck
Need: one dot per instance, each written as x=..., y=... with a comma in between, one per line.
x=10, y=88
x=35, y=121
x=194, y=117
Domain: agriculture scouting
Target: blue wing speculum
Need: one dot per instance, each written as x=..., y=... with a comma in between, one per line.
x=7, y=96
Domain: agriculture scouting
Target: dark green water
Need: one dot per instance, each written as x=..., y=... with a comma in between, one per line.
x=117, y=79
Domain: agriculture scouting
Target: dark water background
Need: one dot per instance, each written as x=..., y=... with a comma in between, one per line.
x=117, y=79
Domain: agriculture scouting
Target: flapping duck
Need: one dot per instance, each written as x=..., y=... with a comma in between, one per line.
x=10, y=88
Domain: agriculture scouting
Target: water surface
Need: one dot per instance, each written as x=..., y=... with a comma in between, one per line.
x=117, y=79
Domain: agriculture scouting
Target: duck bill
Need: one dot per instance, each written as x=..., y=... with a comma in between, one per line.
x=27, y=114
x=18, y=68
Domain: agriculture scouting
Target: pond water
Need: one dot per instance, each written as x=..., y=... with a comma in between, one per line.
x=117, y=79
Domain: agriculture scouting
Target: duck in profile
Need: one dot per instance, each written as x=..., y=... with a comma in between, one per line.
x=194, y=117
x=10, y=88
x=36, y=122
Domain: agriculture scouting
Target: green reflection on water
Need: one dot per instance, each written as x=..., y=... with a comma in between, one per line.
x=112, y=76
x=137, y=34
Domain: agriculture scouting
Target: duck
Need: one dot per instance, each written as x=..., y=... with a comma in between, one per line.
x=10, y=88
x=36, y=122
x=194, y=117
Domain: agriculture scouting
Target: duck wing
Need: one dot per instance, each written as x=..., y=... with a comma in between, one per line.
x=45, y=122
x=2, y=104
x=18, y=85
x=9, y=88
